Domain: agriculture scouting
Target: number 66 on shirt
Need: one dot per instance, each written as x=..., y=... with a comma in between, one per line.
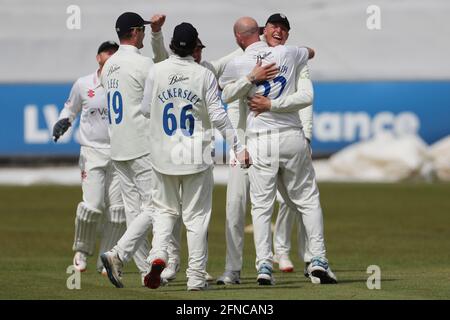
x=170, y=120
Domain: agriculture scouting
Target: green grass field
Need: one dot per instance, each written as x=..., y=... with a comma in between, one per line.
x=402, y=228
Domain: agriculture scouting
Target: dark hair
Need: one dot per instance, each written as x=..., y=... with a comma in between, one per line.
x=182, y=52
x=126, y=35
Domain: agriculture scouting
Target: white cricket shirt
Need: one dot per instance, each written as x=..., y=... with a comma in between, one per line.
x=288, y=59
x=123, y=77
x=181, y=98
x=88, y=98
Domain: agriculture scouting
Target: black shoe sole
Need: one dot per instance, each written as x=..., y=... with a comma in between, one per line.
x=109, y=271
x=305, y=271
x=264, y=282
x=323, y=276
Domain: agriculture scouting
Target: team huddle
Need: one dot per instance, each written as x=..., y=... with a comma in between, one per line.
x=146, y=130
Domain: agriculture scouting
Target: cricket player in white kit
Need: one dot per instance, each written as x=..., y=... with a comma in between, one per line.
x=216, y=67
x=181, y=98
x=276, y=32
x=123, y=78
x=102, y=199
x=278, y=149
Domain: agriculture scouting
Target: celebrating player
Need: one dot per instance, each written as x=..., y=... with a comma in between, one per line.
x=123, y=78
x=276, y=32
x=181, y=99
x=99, y=180
x=289, y=165
x=216, y=67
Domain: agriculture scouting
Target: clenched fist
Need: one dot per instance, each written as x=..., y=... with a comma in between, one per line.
x=157, y=21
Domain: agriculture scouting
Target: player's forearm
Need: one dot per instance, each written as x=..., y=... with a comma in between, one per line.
x=159, y=50
x=72, y=108
x=302, y=98
x=306, y=116
x=148, y=94
x=234, y=113
x=236, y=90
x=67, y=112
x=221, y=122
x=145, y=103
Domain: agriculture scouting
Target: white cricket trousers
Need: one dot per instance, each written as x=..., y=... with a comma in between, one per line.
x=101, y=196
x=194, y=192
x=99, y=179
x=286, y=219
x=237, y=193
x=288, y=162
x=136, y=183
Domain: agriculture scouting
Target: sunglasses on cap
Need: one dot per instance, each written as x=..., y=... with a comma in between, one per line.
x=138, y=28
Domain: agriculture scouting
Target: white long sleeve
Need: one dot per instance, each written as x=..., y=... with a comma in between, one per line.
x=234, y=90
x=306, y=116
x=148, y=93
x=302, y=98
x=160, y=52
x=73, y=105
x=218, y=116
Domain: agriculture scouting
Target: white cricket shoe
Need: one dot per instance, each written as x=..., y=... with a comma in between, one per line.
x=104, y=272
x=319, y=268
x=80, y=261
x=209, y=278
x=265, y=277
x=285, y=264
x=313, y=279
x=170, y=272
x=113, y=266
x=230, y=277
x=205, y=287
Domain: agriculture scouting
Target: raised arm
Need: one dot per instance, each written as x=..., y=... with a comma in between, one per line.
x=160, y=52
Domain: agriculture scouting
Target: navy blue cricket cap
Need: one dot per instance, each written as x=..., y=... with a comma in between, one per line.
x=200, y=44
x=107, y=45
x=129, y=20
x=185, y=36
x=279, y=18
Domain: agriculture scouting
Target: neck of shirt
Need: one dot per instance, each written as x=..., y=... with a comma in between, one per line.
x=187, y=58
x=256, y=45
x=128, y=47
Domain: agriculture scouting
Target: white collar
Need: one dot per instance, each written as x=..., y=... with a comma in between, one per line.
x=187, y=58
x=256, y=45
x=128, y=47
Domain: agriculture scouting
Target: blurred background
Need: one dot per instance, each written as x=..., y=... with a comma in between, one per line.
x=381, y=75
